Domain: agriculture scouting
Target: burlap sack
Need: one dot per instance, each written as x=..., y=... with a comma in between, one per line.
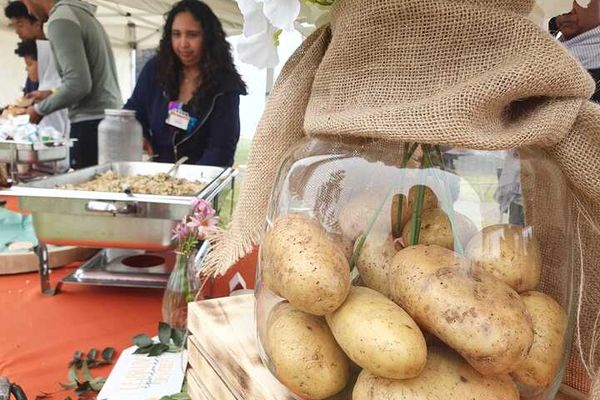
x=465, y=73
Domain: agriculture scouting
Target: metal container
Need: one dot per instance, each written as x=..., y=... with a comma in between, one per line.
x=34, y=152
x=119, y=137
x=121, y=220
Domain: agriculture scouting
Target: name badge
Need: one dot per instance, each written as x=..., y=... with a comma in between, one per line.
x=179, y=118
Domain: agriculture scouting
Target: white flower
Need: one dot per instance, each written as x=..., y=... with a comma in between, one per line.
x=259, y=49
x=282, y=13
x=254, y=18
x=265, y=19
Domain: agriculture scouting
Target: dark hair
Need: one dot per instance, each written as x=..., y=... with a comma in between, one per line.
x=27, y=48
x=17, y=9
x=216, y=65
x=553, y=26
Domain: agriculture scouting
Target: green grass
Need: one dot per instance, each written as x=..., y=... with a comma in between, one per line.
x=241, y=158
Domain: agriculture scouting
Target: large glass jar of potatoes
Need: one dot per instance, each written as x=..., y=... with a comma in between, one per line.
x=416, y=272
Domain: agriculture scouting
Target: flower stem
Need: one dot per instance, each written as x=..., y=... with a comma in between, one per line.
x=415, y=228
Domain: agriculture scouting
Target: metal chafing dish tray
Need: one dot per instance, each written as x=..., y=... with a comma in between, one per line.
x=21, y=152
x=117, y=220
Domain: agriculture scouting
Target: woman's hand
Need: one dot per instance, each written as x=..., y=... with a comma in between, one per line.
x=147, y=146
x=39, y=95
x=34, y=117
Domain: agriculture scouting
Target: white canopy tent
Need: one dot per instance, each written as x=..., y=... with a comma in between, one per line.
x=136, y=25
x=131, y=25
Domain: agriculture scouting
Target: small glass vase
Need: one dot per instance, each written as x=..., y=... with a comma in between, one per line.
x=182, y=288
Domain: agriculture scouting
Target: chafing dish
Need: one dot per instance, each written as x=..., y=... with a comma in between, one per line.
x=115, y=220
x=22, y=152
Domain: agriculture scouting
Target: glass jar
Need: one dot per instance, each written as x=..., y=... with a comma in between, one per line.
x=120, y=137
x=182, y=288
x=418, y=268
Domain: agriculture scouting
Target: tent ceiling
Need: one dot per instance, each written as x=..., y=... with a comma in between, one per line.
x=141, y=21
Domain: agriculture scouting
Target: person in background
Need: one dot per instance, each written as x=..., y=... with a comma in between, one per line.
x=580, y=29
x=187, y=97
x=40, y=67
x=27, y=27
x=86, y=65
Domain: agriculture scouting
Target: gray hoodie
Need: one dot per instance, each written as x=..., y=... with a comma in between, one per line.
x=85, y=63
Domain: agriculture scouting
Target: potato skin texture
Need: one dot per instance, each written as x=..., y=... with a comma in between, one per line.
x=474, y=313
x=374, y=261
x=378, y=335
x=304, y=354
x=446, y=376
x=550, y=325
x=356, y=214
x=437, y=229
x=430, y=201
x=306, y=267
x=508, y=252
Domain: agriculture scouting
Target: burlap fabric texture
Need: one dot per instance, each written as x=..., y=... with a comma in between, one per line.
x=464, y=73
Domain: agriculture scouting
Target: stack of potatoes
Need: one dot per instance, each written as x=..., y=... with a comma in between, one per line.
x=429, y=323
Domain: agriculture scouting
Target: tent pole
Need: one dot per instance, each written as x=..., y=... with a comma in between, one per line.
x=270, y=79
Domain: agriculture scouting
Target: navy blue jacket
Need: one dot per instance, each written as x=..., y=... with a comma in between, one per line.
x=212, y=141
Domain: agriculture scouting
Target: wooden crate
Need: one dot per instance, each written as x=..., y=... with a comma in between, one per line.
x=224, y=363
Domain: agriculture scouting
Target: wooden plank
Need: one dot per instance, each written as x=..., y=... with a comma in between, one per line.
x=231, y=347
x=208, y=380
x=224, y=340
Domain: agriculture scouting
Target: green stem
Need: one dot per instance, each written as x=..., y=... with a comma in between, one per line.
x=409, y=150
x=415, y=227
x=448, y=200
x=182, y=266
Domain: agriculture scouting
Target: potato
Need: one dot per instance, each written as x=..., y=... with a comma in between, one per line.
x=355, y=216
x=549, y=325
x=429, y=201
x=374, y=260
x=472, y=311
x=446, y=376
x=306, y=266
x=304, y=354
x=436, y=229
x=378, y=335
x=510, y=253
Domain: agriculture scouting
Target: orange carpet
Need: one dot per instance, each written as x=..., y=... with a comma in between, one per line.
x=39, y=334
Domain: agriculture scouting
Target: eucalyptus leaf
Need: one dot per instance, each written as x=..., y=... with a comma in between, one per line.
x=142, y=340
x=107, y=354
x=77, y=357
x=72, y=374
x=83, y=387
x=177, y=335
x=97, y=383
x=164, y=332
x=158, y=349
x=86, y=372
x=143, y=350
x=91, y=355
x=69, y=386
x=174, y=349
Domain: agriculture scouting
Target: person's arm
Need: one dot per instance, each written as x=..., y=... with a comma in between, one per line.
x=140, y=97
x=224, y=132
x=69, y=52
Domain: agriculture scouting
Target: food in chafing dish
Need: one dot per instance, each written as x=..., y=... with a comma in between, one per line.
x=18, y=107
x=158, y=184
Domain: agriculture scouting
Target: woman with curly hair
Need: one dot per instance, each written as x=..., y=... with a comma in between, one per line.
x=187, y=96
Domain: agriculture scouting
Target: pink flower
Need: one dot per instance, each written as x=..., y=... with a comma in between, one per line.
x=181, y=231
x=197, y=225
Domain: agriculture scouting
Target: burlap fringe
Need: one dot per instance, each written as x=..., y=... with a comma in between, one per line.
x=277, y=132
x=595, y=393
x=589, y=361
